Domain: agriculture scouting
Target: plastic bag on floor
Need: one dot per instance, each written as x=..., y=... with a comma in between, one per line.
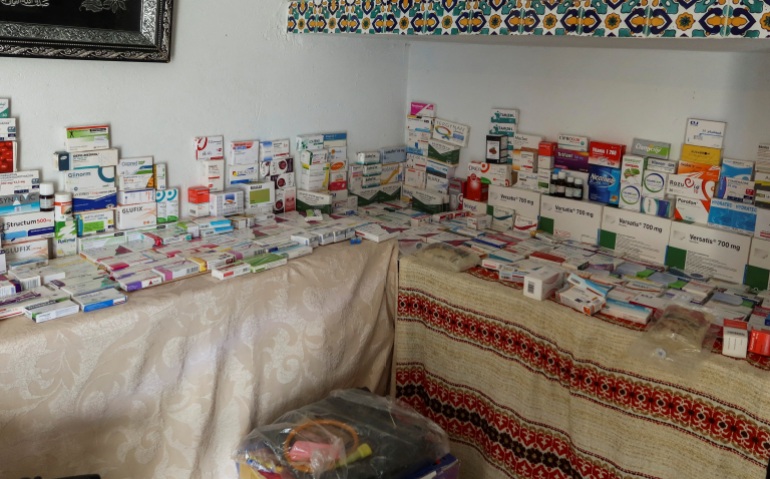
x=352, y=434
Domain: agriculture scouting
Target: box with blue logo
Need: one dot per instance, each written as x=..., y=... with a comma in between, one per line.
x=604, y=184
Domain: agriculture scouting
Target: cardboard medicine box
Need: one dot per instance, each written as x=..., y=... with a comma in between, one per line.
x=707, y=251
x=571, y=219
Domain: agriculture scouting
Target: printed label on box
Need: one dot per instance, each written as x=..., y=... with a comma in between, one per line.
x=570, y=219
x=525, y=203
x=715, y=253
x=635, y=235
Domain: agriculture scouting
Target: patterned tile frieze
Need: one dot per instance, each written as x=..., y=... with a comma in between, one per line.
x=596, y=18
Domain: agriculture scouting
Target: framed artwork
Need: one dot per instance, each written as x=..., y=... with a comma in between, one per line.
x=128, y=30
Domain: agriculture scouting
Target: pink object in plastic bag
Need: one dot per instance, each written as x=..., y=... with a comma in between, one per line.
x=303, y=451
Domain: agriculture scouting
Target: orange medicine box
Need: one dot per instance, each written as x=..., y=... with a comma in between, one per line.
x=198, y=194
x=605, y=154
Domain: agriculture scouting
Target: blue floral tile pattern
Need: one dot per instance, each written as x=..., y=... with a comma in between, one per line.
x=596, y=18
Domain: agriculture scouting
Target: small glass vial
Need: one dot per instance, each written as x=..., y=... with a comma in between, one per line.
x=577, y=191
x=570, y=192
x=552, y=185
x=62, y=206
x=561, y=184
x=46, y=197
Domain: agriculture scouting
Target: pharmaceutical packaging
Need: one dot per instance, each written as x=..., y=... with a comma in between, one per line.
x=244, y=152
x=198, y=194
x=654, y=184
x=394, y=154
x=372, y=169
x=450, y=132
x=65, y=160
x=8, y=131
x=5, y=107
x=733, y=215
x=502, y=218
x=649, y=148
x=692, y=210
x=581, y=300
x=178, y=269
x=542, y=283
x=20, y=203
x=425, y=200
x=209, y=148
x=661, y=207
x=701, y=154
x=126, y=198
x=706, y=133
x=50, y=310
x=139, y=281
x=212, y=174
x=231, y=270
x=571, y=160
x=699, y=184
x=265, y=262
x=626, y=311
x=711, y=252
x=160, y=175
x=310, y=200
x=735, y=342
x=242, y=174
x=758, y=267
x=439, y=168
x=135, y=166
x=504, y=129
x=283, y=181
x=606, y=154
x=573, y=142
x=736, y=170
x=662, y=166
x=313, y=157
x=492, y=174
x=280, y=166
x=86, y=138
x=285, y=200
x=422, y=109
x=635, y=235
x=136, y=216
x=167, y=205
x=524, y=202
x=497, y=148
x=604, y=184
x=368, y=157
x=737, y=190
x=90, y=180
x=526, y=141
x=97, y=200
x=9, y=153
x=23, y=226
x=226, y=203
x=570, y=219
x=316, y=177
x=100, y=300
x=272, y=150
x=442, y=151
x=338, y=180
x=95, y=222
x=335, y=140
x=34, y=251
x=85, y=286
x=528, y=181
x=391, y=174
x=65, y=238
x=509, y=116
x=210, y=260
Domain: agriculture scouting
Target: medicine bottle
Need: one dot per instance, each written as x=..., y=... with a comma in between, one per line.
x=62, y=206
x=578, y=189
x=46, y=197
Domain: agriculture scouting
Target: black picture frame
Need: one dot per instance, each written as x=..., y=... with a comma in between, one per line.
x=117, y=30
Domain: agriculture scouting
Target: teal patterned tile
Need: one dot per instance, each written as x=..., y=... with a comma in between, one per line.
x=749, y=19
x=495, y=13
x=386, y=22
x=634, y=21
x=291, y=19
x=660, y=23
x=447, y=17
x=366, y=11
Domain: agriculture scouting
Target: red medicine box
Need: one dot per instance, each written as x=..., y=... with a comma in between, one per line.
x=198, y=194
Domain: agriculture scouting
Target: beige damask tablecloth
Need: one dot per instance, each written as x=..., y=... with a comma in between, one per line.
x=167, y=385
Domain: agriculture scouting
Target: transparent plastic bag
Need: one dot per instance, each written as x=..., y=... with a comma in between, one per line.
x=447, y=257
x=680, y=334
x=352, y=434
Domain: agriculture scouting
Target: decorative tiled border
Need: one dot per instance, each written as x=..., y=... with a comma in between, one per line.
x=596, y=18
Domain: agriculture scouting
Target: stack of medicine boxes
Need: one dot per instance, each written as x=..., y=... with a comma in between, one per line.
x=322, y=171
x=25, y=229
x=137, y=205
x=209, y=156
x=88, y=167
x=433, y=153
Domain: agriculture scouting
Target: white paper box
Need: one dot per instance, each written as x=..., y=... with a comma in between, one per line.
x=635, y=235
x=525, y=203
x=711, y=252
x=571, y=219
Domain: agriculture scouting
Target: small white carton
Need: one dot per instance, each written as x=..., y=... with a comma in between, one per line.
x=709, y=134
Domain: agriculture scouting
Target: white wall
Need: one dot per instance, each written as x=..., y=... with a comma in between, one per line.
x=234, y=71
x=608, y=94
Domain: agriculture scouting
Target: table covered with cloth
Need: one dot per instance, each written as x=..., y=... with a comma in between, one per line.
x=167, y=385
x=530, y=389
